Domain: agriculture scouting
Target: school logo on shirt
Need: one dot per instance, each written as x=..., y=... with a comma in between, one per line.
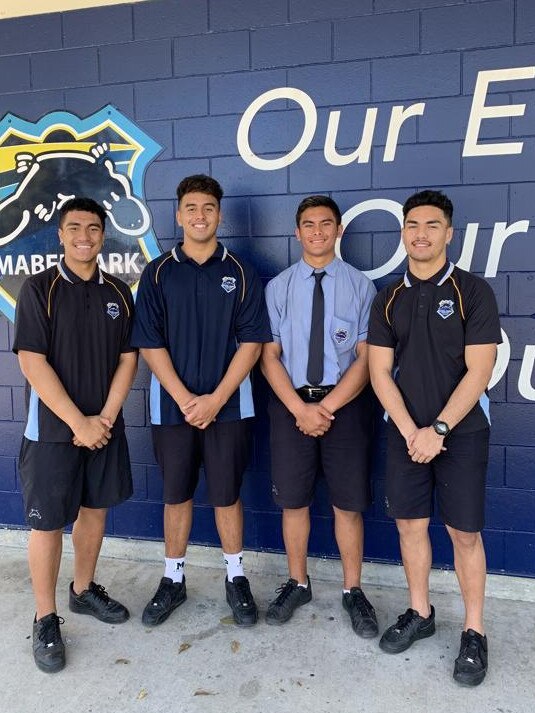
x=228, y=284
x=113, y=309
x=445, y=308
x=340, y=336
x=61, y=156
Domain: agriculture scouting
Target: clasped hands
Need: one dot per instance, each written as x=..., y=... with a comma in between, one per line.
x=313, y=419
x=424, y=444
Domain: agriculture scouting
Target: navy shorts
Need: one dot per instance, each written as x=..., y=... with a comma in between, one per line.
x=59, y=478
x=458, y=475
x=223, y=447
x=342, y=454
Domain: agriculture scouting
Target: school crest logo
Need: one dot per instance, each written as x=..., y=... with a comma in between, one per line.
x=340, y=336
x=113, y=309
x=228, y=284
x=445, y=308
x=62, y=156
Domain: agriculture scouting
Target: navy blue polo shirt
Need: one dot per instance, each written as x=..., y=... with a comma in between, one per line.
x=429, y=323
x=82, y=327
x=200, y=313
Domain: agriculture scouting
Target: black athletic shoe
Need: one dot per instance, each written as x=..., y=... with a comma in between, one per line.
x=168, y=597
x=361, y=613
x=96, y=602
x=471, y=664
x=48, y=647
x=291, y=596
x=240, y=600
x=409, y=628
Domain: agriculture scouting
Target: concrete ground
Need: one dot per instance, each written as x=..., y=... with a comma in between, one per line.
x=200, y=661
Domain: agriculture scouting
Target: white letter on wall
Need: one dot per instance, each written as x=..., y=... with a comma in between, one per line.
x=362, y=153
x=479, y=111
x=311, y=120
x=396, y=210
x=397, y=117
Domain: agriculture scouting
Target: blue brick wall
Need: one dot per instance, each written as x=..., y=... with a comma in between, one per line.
x=186, y=72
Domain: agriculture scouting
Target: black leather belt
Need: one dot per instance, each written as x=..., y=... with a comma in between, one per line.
x=311, y=394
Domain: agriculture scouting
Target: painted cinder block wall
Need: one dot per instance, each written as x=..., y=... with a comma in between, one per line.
x=186, y=72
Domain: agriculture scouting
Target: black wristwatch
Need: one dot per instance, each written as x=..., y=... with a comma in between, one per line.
x=441, y=428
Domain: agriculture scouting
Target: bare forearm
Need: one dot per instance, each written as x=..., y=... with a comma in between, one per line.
x=241, y=364
x=464, y=398
x=349, y=386
x=159, y=362
x=392, y=401
x=120, y=385
x=45, y=382
x=280, y=382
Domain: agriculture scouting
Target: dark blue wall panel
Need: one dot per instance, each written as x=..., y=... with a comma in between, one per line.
x=185, y=72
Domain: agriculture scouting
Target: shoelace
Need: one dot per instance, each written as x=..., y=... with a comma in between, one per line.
x=244, y=592
x=284, y=591
x=49, y=632
x=469, y=649
x=162, y=598
x=405, y=620
x=361, y=603
x=100, y=592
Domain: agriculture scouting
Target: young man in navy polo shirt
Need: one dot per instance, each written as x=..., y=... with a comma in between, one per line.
x=438, y=327
x=72, y=336
x=200, y=322
x=320, y=410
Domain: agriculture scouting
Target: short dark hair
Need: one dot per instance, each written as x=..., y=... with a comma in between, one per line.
x=434, y=198
x=199, y=183
x=318, y=202
x=86, y=204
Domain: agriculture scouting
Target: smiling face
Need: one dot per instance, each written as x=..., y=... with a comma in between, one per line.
x=82, y=235
x=426, y=233
x=317, y=233
x=198, y=215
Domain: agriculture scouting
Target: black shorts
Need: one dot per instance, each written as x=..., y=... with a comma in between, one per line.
x=59, y=478
x=223, y=447
x=458, y=475
x=342, y=453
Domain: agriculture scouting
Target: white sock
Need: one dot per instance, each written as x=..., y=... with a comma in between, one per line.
x=174, y=568
x=234, y=565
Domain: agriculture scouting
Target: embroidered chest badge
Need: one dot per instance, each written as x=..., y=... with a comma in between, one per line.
x=113, y=309
x=445, y=308
x=228, y=284
x=340, y=336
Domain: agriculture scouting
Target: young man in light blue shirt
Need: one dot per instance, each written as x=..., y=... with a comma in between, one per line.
x=320, y=408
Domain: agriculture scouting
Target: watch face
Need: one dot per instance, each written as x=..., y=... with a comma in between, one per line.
x=441, y=428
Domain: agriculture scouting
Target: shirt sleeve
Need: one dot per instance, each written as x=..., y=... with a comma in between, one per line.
x=482, y=322
x=126, y=340
x=252, y=321
x=32, y=323
x=273, y=311
x=368, y=293
x=379, y=331
x=149, y=322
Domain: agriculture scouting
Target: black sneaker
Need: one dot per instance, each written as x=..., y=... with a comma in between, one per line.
x=48, y=647
x=168, y=597
x=96, y=602
x=240, y=600
x=361, y=613
x=471, y=664
x=409, y=628
x=291, y=596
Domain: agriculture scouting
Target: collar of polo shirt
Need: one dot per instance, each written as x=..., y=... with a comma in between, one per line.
x=439, y=278
x=70, y=276
x=180, y=256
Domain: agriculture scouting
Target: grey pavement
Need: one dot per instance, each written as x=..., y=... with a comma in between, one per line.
x=200, y=661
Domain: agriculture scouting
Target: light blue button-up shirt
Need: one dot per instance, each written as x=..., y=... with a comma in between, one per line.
x=348, y=298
